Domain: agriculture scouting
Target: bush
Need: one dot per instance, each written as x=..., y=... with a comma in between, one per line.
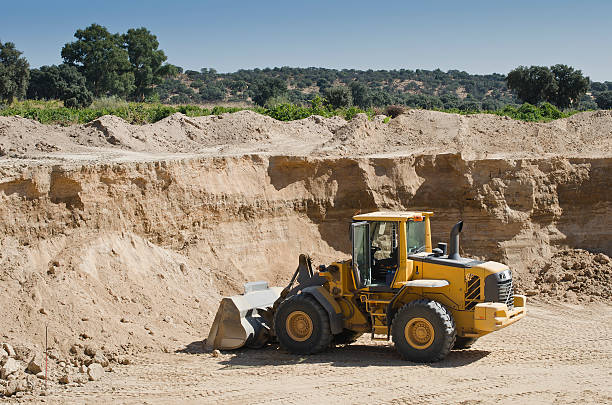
x=394, y=111
x=604, y=100
x=528, y=112
x=338, y=97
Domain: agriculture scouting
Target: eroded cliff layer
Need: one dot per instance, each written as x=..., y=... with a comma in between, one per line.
x=137, y=254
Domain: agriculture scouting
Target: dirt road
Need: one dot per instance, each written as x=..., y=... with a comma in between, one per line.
x=558, y=354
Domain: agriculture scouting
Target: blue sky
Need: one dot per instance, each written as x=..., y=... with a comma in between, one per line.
x=475, y=36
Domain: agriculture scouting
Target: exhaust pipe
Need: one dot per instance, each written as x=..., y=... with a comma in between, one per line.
x=453, y=250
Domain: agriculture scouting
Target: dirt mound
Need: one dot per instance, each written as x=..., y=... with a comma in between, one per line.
x=573, y=275
x=415, y=132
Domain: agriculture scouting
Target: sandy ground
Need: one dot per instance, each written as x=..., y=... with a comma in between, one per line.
x=558, y=354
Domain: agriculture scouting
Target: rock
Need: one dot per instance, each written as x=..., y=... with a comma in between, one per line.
x=168, y=319
x=101, y=360
x=62, y=364
x=74, y=349
x=568, y=277
x=11, y=388
x=3, y=356
x=43, y=311
x=83, y=369
x=90, y=350
x=216, y=353
x=23, y=352
x=65, y=379
x=41, y=375
x=36, y=364
x=124, y=360
x=95, y=372
x=9, y=349
x=551, y=279
x=570, y=296
x=601, y=258
x=10, y=366
x=531, y=293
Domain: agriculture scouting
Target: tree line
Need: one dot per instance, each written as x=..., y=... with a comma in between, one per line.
x=131, y=66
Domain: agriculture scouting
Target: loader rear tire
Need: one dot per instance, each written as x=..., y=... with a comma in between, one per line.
x=464, y=342
x=423, y=331
x=302, y=325
x=346, y=337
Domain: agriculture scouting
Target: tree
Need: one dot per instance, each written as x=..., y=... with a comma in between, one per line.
x=338, y=96
x=14, y=73
x=102, y=59
x=360, y=94
x=63, y=82
x=571, y=85
x=264, y=90
x=532, y=84
x=212, y=92
x=146, y=60
x=604, y=100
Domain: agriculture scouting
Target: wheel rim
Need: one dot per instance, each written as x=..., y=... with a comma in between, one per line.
x=299, y=326
x=419, y=333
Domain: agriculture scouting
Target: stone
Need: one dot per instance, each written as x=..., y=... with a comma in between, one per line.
x=62, y=364
x=65, y=379
x=568, y=277
x=90, y=350
x=74, y=349
x=531, y=293
x=83, y=369
x=551, y=279
x=36, y=364
x=11, y=388
x=95, y=372
x=124, y=360
x=216, y=353
x=101, y=359
x=601, y=258
x=9, y=349
x=41, y=375
x=3, y=356
x=10, y=366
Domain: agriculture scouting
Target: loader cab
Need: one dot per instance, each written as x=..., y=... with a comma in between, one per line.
x=381, y=243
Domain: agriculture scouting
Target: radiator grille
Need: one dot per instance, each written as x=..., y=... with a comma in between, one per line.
x=506, y=292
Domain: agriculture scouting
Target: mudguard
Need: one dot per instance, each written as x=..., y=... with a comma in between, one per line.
x=330, y=305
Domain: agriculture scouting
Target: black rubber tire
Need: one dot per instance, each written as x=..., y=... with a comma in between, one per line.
x=321, y=337
x=346, y=337
x=464, y=342
x=440, y=319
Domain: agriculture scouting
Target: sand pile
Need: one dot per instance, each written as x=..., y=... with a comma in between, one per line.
x=573, y=275
x=415, y=132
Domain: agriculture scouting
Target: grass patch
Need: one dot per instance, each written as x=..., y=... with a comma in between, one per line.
x=54, y=112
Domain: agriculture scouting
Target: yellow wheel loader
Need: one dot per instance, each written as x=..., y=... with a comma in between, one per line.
x=396, y=286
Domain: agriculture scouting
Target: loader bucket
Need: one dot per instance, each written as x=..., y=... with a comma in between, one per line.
x=238, y=322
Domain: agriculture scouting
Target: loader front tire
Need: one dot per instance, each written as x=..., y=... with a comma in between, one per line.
x=423, y=331
x=302, y=325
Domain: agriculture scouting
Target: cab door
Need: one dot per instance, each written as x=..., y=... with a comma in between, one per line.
x=360, y=236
